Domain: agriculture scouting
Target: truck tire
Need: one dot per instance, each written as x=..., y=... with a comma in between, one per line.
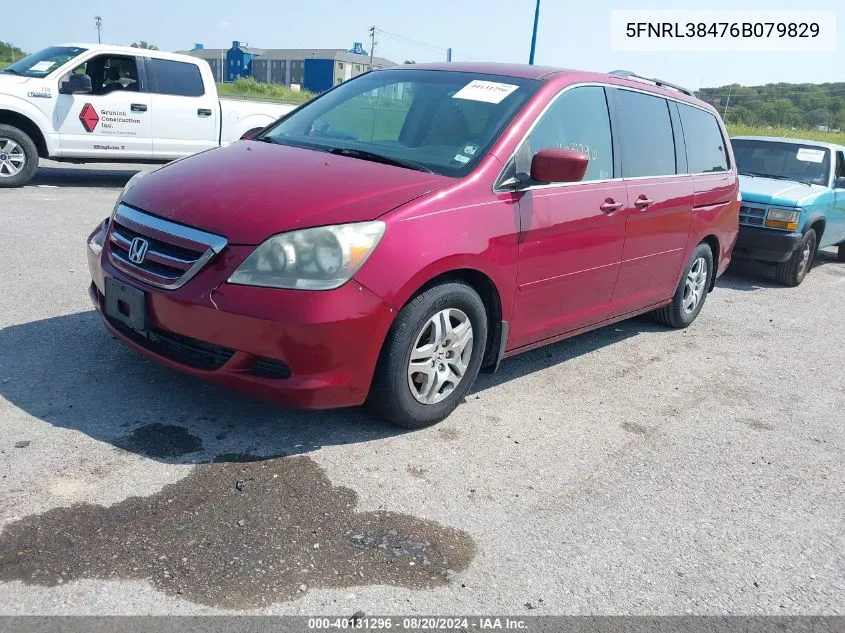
x=18, y=157
x=691, y=292
x=841, y=252
x=792, y=272
x=431, y=356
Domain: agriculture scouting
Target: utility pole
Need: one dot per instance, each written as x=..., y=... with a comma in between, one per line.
x=98, y=21
x=448, y=54
x=727, y=103
x=534, y=33
x=372, y=44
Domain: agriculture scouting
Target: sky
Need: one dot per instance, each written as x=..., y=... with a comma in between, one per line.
x=571, y=34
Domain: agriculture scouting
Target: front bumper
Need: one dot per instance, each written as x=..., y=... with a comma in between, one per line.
x=767, y=245
x=309, y=349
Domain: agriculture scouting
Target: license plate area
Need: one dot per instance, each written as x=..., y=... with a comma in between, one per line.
x=126, y=304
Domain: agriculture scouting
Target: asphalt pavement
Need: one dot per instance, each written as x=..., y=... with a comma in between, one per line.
x=631, y=470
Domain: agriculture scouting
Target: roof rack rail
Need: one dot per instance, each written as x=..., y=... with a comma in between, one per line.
x=627, y=74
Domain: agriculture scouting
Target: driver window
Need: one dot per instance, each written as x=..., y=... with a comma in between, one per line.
x=110, y=73
x=840, y=165
x=578, y=120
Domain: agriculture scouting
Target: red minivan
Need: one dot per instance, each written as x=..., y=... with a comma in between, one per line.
x=413, y=226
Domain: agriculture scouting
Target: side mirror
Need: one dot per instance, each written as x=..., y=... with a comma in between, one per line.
x=251, y=134
x=558, y=165
x=76, y=84
x=839, y=183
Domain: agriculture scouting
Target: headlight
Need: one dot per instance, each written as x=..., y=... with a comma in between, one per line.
x=321, y=258
x=786, y=219
x=131, y=183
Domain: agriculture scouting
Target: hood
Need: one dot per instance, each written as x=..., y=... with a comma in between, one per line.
x=777, y=192
x=8, y=79
x=251, y=190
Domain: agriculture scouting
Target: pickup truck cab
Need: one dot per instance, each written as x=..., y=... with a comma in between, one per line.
x=417, y=224
x=793, y=202
x=101, y=103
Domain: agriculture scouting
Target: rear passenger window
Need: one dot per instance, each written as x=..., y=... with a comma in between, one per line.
x=648, y=147
x=705, y=145
x=176, y=78
x=578, y=120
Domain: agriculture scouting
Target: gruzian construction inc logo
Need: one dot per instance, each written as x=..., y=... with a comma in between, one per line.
x=89, y=117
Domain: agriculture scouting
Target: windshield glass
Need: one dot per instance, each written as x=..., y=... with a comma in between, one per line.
x=809, y=164
x=437, y=121
x=44, y=62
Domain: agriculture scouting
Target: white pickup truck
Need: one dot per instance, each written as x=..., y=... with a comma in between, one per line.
x=100, y=103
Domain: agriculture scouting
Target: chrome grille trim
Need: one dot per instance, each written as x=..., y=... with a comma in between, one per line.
x=205, y=245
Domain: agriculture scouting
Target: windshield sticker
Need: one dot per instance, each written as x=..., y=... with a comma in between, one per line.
x=487, y=91
x=42, y=67
x=811, y=155
x=461, y=159
x=470, y=150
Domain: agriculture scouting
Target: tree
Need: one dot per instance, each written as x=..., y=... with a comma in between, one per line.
x=143, y=44
x=409, y=61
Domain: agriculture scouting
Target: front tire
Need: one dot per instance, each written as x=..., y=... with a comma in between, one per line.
x=18, y=157
x=792, y=272
x=431, y=356
x=691, y=292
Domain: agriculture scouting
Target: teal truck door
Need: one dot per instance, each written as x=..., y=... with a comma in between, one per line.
x=837, y=218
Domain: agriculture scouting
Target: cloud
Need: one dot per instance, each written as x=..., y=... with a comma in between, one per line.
x=223, y=24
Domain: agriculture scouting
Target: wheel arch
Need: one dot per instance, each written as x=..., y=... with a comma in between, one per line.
x=28, y=126
x=487, y=289
x=818, y=222
x=713, y=242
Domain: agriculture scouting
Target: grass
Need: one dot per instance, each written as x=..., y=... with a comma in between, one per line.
x=813, y=135
x=248, y=88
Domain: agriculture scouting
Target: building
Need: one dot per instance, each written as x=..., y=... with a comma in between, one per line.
x=315, y=69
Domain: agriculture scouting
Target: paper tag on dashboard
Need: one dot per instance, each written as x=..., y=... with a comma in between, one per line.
x=41, y=67
x=488, y=91
x=811, y=155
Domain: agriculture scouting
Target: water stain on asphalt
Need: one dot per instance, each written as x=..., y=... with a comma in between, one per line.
x=757, y=425
x=161, y=440
x=637, y=429
x=239, y=547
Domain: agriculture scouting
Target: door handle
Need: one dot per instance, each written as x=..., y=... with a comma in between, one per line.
x=203, y=112
x=642, y=202
x=610, y=205
x=138, y=107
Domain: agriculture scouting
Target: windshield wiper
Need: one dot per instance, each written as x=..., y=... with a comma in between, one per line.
x=12, y=71
x=378, y=158
x=757, y=174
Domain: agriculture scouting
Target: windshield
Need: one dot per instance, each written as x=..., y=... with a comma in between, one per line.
x=44, y=62
x=809, y=164
x=438, y=121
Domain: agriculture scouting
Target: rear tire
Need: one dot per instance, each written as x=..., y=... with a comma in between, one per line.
x=445, y=328
x=792, y=272
x=691, y=292
x=841, y=252
x=18, y=157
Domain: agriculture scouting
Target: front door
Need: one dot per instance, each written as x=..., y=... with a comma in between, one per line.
x=113, y=120
x=659, y=215
x=571, y=235
x=835, y=231
x=186, y=117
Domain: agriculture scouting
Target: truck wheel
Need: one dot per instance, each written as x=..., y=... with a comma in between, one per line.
x=841, y=252
x=18, y=157
x=793, y=270
x=431, y=356
x=691, y=292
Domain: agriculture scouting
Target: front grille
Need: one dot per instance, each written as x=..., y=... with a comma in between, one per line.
x=269, y=368
x=178, y=348
x=752, y=216
x=174, y=253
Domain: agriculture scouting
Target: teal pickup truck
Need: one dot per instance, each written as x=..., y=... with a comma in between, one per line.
x=793, y=202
